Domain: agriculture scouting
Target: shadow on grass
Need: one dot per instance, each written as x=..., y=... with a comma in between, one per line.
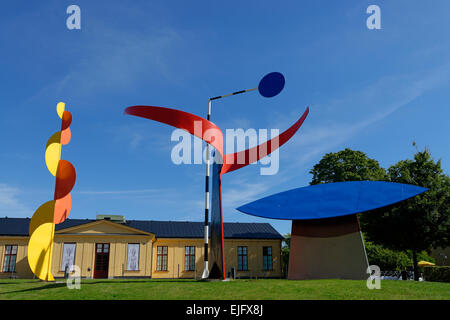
x=17, y=283
x=139, y=281
x=94, y=282
x=47, y=286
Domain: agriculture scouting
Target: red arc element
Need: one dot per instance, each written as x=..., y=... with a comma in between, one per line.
x=66, y=120
x=262, y=150
x=65, y=179
x=182, y=120
x=213, y=135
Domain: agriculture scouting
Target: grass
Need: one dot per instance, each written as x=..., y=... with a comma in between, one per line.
x=263, y=289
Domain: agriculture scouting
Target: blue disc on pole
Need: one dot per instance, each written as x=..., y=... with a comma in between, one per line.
x=271, y=84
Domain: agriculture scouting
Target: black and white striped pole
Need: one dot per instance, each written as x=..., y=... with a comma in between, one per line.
x=269, y=86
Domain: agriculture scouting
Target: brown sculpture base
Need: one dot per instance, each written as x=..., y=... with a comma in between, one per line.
x=327, y=249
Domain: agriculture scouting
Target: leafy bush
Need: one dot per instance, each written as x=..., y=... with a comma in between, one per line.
x=422, y=256
x=392, y=260
x=437, y=274
x=386, y=259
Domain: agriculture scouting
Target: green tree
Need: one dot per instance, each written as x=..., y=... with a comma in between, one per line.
x=392, y=260
x=347, y=165
x=418, y=223
x=386, y=259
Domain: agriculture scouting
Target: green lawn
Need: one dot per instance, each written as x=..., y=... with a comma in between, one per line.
x=277, y=289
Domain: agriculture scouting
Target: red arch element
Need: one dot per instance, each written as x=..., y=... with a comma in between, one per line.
x=213, y=135
x=182, y=120
x=262, y=150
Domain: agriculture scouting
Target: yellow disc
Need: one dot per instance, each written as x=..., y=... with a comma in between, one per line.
x=40, y=250
x=42, y=230
x=42, y=215
x=60, y=109
x=53, y=153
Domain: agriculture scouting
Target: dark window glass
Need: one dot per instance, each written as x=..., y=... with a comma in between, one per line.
x=9, y=263
x=242, y=259
x=189, y=258
x=161, y=258
x=267, y=258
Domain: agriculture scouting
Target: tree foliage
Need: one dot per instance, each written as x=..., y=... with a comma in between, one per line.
x=418, y=223
x=347, y=165
x=410, y=226
x=392, y=260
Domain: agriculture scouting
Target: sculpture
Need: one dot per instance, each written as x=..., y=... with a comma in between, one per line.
x=326, y=239
x=42, y=223
x=225, y=163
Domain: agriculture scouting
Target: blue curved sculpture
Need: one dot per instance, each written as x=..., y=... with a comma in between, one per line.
x=330, y=200
x=326, y=240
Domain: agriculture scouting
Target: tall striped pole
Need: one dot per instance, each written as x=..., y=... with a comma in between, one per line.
x=205, y=274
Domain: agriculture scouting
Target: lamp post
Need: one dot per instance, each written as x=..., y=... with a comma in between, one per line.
x=269, y=86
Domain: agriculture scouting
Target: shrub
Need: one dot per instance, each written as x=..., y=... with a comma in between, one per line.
x=422, y=256
x=386, y=259
x=392, y=260
x=437, y=274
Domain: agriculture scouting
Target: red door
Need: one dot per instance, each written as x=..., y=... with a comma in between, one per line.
x=101, y=260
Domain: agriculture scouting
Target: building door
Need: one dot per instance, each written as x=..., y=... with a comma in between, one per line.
x=101, y=260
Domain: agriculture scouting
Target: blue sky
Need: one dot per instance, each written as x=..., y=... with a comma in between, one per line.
x=369, y=90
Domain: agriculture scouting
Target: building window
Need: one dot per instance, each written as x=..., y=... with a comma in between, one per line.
x=189, y=258
x=267, y=258
x=133, y=257
x=102, y=247
x=9, y=264
x=68, y=258
x=161, y=258
x=242, y=259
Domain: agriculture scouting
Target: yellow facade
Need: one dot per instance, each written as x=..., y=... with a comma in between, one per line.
x=176, y=250
x=118, y=237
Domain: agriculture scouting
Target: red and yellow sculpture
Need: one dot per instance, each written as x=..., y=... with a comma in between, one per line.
x=42, y=224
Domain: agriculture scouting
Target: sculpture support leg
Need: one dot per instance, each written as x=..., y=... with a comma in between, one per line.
x=326, y=249
x=216, y=249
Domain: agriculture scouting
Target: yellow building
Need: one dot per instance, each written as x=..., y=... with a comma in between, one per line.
x=110, y=247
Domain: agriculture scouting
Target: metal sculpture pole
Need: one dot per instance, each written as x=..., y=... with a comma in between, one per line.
x=205, y=274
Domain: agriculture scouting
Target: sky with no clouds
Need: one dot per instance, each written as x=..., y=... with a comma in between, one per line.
x=371, y=90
